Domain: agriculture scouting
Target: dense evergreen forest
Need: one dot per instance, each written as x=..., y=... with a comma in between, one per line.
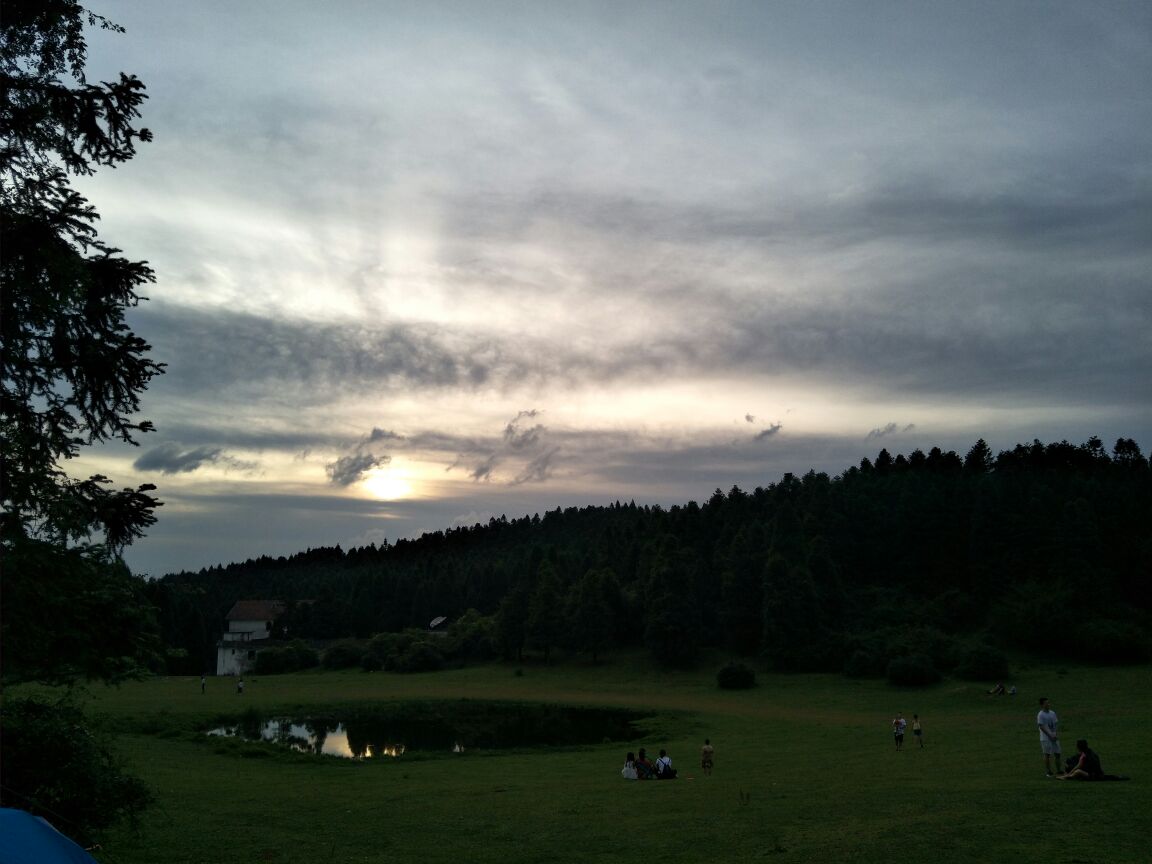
x=935, y=560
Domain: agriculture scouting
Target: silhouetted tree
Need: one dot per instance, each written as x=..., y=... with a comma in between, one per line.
x=71, y=374
x=72, y=370
x=545, y=611
x=588, y=613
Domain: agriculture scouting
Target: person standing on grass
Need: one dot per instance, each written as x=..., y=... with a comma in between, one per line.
x=706, y=754
x=899, y=724
x=917, y=730
x=1049, y=726
x=203, y=682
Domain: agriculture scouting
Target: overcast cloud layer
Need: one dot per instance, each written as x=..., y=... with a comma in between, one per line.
x=424, y=264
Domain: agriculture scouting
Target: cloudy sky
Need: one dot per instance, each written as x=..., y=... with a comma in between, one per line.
x=420, y=264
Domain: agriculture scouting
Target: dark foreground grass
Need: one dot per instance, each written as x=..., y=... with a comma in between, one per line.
x=805, y=772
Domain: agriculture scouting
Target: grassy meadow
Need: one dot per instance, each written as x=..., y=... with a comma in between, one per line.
x=805, y=772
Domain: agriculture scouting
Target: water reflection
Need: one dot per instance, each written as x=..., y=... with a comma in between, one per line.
x=443, y=727
x=310, y=737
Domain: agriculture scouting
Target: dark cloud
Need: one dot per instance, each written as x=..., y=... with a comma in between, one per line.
x=749, y=418
x=383, y=435
x=172, y=458
x=889, y=429
x=768, y=433
x=518, y=438
x=483, y=471
x=539, y=469
x=526, y=447
x=351, y=469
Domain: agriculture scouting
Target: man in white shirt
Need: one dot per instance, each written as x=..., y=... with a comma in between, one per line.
x=1049, y=725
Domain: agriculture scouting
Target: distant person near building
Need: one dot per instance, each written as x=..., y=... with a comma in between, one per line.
x=239, y=686
x=1049, y=725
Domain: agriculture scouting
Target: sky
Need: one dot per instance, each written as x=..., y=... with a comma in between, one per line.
x=420, y=265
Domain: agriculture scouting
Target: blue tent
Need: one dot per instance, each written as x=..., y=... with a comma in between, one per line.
x=28, y=839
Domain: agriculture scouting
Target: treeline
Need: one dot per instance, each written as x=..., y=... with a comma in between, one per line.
x=934, y=561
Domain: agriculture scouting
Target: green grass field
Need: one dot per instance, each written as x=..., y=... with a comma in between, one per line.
x=812, y=754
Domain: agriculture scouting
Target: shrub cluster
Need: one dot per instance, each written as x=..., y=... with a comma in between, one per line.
x=293, y=657
x=735, y=676
x=914, y=670
x=60, y=765
x=983, y=663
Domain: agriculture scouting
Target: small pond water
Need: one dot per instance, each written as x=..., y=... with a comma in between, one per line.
x=393, y=730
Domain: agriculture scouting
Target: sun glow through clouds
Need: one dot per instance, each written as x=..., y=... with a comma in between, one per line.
x=387, y=485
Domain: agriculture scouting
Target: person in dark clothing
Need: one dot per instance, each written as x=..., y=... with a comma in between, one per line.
x=1087, y=766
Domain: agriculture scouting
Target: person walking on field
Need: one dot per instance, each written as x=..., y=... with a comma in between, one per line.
x=917, y=730
x=1049, y=726
x=899, y=724
x=706, y=754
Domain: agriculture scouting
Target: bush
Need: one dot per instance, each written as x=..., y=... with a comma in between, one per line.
x=862, y=664
x=735, y=676
x=472, y=637
x=914, y=670
x=385, y=649
x=292, y=657
x=1107, y=641
x=60, y=765
x=420, y=657
x=983, y=663
x=344, y=654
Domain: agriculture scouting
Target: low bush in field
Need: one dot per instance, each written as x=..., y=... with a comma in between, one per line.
x=60, y=764
x=1108, y=641
x=420, y=657
x=983, y=663
x=735, y=676
x=345, y=654
x=292, y=657
x=914, y=670
x=410, y=651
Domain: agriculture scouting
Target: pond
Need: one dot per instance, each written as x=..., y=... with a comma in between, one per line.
x=393, y=730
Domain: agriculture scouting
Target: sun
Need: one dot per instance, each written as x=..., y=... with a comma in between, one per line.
x=386, y=485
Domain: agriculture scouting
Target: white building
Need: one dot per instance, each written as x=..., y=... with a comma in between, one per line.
x=249, y=625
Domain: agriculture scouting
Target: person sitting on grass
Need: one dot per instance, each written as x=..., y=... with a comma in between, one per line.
x=628, y=772
x=664, y=769
x=1087, y=766
x=645, y=770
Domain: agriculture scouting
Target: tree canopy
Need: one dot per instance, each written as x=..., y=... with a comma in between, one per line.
x=71, y=370
x=1041, y=547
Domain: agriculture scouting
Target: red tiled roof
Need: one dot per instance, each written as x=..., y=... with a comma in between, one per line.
x=255, y=610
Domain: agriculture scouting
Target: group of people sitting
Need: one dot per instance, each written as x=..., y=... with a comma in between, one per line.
x=642, y=768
